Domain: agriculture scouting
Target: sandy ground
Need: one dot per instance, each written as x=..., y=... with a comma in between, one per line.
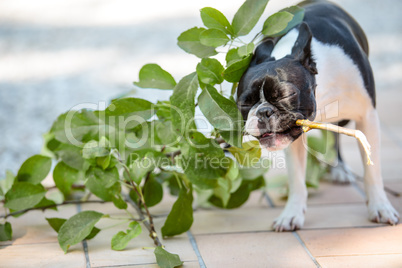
x=55, y=55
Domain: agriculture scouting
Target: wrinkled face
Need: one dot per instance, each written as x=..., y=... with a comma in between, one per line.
x=272, y=95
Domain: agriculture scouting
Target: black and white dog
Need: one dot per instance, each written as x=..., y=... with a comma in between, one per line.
x=318, y=71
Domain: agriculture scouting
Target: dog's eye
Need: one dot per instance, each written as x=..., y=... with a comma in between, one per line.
x=287, y=96
x=245, y=106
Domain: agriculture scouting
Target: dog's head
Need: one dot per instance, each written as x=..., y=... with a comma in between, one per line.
x=273, y=94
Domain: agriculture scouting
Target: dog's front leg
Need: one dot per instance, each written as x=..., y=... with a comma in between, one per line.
x=292, y=217
x=380, y=209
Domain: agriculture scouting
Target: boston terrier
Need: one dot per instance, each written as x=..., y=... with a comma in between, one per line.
x=319, y=71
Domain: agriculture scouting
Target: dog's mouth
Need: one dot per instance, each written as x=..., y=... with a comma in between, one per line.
x=292, y=131
x=279, y=140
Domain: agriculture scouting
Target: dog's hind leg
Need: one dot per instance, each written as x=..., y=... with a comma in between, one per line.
x=379, y=207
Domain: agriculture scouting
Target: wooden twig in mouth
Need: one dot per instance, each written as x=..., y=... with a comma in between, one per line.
x=308, y=125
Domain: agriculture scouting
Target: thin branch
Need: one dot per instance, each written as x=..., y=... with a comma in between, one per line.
x=308, y=125
x=78, y=187
x=71, y=202
x=149, y=225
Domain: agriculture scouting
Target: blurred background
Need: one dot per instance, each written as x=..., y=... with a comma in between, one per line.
x=55, y=55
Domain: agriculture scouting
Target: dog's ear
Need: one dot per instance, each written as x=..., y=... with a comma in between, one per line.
x=263, y=52
x=302, y=48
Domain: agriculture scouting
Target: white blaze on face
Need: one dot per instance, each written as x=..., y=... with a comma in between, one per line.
x=251, y=126
x=252, y=119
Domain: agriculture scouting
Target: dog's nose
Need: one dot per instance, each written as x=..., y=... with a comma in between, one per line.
x=264, y=112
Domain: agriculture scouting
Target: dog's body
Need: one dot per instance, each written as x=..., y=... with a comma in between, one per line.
x=318, y=71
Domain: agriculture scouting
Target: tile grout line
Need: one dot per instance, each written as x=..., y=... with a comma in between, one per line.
x=306, y=249
x=135, y=265
x=304, y=229
x=85, y=245
x=196, y=250
x=269, y=200
x=361, y=191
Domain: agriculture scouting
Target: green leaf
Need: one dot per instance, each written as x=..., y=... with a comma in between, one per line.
x=223, y=190
x=236, y=68
x=229, y=183
x=105, y=161
x=153, y=76
x=56, y=224
x=163, y=110
x=119, y=202
x=93, y=233
x=166, y=259
x=241, y=195
x=190, y=42
x=314, y=172
x=166, y=134
x=64, y=177
x=152, y=191
x=46, y=204
x=106, y=178
x=75, y=127
x=24, y=195
x=246, y=50
x=214, y=19
x=323, y=147
x=233, y=56
x=35, y=169
x=121, y=239
x=144, y=161
x=134, y=110
x=222, y=113
x=180, y=217
x=77, y=228
x=69, y=154
x=183, y=105
x=103, y=183
x=201, y=160
x=249, y=154
x=298, y=15
x=209, y=71
x=93, y=149
x=6, y=232
x=6, y=183
x=213, y=38
x=276, y=23
x=247, y=16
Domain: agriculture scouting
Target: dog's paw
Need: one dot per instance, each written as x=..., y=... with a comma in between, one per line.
x=341, y=174
x=289, y=220
x=383, y=212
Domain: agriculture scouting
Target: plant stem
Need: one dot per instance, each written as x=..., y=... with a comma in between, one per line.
x=149, y=225
x=77, y=187
x=71, y=202
x=255, y=37
x=234, y=87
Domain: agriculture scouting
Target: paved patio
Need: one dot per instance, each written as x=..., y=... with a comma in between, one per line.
x=114, y=45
